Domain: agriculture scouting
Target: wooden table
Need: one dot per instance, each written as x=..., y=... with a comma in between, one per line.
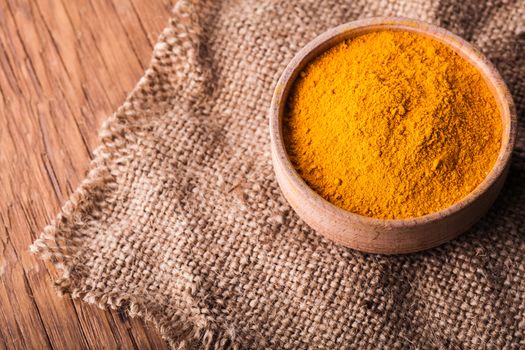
x=64, y=66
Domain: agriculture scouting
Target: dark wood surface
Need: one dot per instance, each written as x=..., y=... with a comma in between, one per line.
x=64, y=66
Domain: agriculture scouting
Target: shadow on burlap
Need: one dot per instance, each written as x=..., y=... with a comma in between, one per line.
x=180, y=220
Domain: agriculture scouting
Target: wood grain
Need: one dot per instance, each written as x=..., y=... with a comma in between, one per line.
x=64, y=66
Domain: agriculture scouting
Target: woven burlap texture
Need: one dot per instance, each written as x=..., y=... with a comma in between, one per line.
x=180, y=219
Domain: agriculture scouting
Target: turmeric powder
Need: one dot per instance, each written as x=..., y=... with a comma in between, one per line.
x=392, y=125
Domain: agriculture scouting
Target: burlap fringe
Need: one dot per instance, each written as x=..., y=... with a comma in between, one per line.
x=61, y=241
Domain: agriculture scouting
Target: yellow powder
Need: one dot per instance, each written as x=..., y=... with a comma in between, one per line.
x=392, y=125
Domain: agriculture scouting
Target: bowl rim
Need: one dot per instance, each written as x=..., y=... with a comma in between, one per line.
x=451, y=40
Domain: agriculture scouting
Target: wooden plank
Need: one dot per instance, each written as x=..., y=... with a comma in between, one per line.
x=64, y=66
x=16, y=326
x=25, y=293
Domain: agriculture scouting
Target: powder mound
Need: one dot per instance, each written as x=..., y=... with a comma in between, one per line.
x=392, y=125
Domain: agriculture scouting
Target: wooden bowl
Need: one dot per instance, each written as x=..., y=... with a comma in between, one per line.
x=378, y=235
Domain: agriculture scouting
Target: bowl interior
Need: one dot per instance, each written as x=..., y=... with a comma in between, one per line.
x=353, y=29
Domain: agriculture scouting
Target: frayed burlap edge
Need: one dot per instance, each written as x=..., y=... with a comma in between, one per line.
x=62, y=240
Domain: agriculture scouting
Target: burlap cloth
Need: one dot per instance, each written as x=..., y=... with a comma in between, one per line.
x=180, y=220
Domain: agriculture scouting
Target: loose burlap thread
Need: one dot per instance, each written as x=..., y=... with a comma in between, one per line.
x=180, y=220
